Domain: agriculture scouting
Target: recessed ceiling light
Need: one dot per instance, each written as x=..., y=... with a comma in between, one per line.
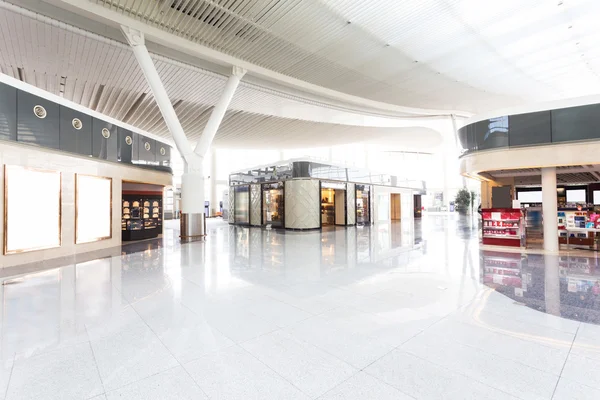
x=570, y=26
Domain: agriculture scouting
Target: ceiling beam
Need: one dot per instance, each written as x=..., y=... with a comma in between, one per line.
x=114, y=19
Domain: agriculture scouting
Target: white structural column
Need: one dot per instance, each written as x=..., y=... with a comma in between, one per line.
x=210, y=130
x=192, y=180
x=214, y=198
x=136, y=41
x=456, y=143
x=549, y=207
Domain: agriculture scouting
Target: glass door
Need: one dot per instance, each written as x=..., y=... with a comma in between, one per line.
x=242, y=205
x=363, y=204
x=327, y=207
x=272, y=206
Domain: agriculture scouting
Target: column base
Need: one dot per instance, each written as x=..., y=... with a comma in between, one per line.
x=193, y=227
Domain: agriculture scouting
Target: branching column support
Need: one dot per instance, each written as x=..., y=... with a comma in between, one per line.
x=192, y=183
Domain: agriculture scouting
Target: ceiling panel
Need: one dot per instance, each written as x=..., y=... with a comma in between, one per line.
x=504, y=53
x=104, y=76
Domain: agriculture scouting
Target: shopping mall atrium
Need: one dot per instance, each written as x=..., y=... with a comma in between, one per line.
x=300, y=199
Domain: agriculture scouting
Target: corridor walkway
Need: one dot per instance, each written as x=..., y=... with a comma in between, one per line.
x=358, y=313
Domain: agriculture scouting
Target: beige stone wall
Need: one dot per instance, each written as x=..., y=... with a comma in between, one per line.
x=302, y=204
x=29, y=156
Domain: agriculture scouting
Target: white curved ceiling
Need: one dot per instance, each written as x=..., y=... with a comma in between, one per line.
x=103, y=75
x=469, y=55
x=396, y=56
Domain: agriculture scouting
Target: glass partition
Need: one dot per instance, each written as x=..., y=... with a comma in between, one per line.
x=242, y=204
x=272, y=173
x=273, y=204
x=541, y=127
x=32, y=209
x=363, y=204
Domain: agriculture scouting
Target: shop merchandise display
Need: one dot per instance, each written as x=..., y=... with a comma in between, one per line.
x=502, y=226
x=141, y=217
x=577, y=227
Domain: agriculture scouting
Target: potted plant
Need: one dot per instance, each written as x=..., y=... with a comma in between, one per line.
x=463, y=200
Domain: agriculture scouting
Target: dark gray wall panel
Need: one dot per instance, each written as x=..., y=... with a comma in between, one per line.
x=125, y=150
x=146, y=155
x=491, y=133
x=8, y=112
x=33, y=130
x=576, y=123
x=75, y=140
x=135, y=150
x=163, y=159
x=529, y=129
x=103, y=148
x=463, y=137
x=501, y=197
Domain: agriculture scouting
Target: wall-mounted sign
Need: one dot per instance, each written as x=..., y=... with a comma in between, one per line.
x=77, y=124
x=93, y=208
x=40, y=111
x=32, y=209
x=333, y=185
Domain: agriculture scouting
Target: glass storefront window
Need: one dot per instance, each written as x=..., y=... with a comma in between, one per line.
x=273, y=207
x=363, y=216
x=242, y=205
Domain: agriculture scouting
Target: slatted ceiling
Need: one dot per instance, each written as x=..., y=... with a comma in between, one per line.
x=104, y=76
x=526, y=47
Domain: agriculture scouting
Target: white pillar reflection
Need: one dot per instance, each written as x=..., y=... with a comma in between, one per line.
x=552, y=284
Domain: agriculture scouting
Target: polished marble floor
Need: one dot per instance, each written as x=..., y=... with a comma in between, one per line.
x=387, y=312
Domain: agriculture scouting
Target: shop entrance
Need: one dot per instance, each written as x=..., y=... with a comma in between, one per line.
x=363, y=205
x=327, y=207
x=333, y=204
x=395, y=207
x=141, y=212
x=273, y=205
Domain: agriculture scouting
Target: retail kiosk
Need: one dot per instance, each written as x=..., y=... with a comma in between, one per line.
x=306, y=194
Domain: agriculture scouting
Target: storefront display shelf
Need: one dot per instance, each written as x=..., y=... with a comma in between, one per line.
x=503, y=236
x=142, y=215
x=502, y=226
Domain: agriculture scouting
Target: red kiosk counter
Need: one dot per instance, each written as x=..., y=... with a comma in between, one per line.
x=502, y=226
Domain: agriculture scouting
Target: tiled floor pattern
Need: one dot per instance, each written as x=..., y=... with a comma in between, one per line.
x=362, y=313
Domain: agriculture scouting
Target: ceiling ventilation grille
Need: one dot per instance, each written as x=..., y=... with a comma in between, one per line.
x=234, y=18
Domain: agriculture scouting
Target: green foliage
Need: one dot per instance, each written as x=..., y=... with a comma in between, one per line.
x=463, y=200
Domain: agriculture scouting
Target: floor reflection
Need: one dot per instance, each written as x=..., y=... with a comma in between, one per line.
x=302, y=315
x=568, y=286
